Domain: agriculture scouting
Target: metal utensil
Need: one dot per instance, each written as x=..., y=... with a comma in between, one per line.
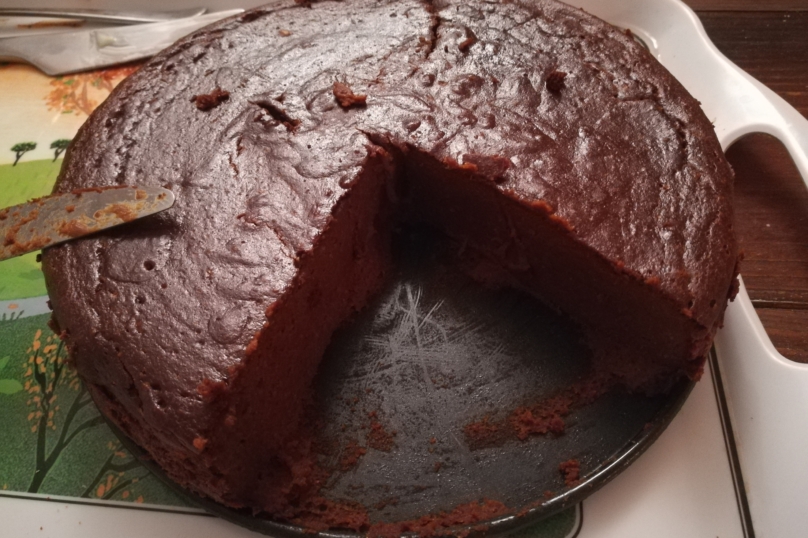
x=69, y=52
x=103, y=15
x=55, y=219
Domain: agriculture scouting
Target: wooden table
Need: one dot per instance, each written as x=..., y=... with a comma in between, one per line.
x=769, y=40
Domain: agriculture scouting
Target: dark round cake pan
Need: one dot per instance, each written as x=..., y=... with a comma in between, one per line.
x=434, y=353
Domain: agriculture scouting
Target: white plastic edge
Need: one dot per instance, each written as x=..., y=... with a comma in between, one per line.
x=767, y=394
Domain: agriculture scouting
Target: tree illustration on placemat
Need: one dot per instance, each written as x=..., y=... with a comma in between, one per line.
x=112, y=479
x=61, y=408
x=59, y=146
x=15, y=314
x=80, y=93
x=53, y=438
x=46, y=373
x=21, y=149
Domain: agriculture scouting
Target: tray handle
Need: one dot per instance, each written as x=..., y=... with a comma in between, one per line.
x=763, y=111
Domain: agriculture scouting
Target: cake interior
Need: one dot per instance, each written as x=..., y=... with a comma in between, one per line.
x=645, y=342
x=269, y=390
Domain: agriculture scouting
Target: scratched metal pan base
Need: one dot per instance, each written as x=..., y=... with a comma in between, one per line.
x=435, y=352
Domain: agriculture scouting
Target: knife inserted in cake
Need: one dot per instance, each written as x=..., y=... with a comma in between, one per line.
x=55, y=219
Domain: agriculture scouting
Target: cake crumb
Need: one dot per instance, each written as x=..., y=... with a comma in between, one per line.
x=123, y=211
x=284, y=33
x=468, y=42
x=211, y=100
x=346, y=97
x=379, y=438
x=493, y=167
x=571, y=469
x=74, y=228
x=209, y=389
x=351, y=454
x=540, y=418
x=482, y=433
x=200, y=443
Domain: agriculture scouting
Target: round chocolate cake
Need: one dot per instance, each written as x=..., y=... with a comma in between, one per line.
x=550, y=145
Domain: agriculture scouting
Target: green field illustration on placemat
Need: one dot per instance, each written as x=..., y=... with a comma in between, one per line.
x=55, y=441
x=26, y=180
x=21, y=277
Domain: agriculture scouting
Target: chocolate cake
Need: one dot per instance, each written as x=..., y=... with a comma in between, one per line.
x=551, y=146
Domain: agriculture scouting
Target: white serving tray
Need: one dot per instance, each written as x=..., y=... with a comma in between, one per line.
x=767, y=394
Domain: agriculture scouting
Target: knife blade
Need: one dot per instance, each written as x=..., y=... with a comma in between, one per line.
x=102, y=15
x=58, y=218
x=70, y=52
